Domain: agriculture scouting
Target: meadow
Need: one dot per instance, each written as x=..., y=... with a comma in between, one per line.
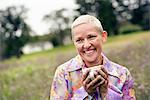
x=30, y=77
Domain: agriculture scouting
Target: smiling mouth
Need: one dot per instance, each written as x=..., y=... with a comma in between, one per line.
x=89, y=52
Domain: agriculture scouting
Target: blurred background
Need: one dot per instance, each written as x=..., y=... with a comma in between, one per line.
x=35, y=38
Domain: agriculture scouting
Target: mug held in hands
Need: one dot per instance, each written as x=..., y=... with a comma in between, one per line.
x=92, y=71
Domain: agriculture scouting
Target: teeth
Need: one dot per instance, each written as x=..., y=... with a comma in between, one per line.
x=89, y=51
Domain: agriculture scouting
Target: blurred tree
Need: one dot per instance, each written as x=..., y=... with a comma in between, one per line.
x=141, y=15
x=59, y=25
x=103, y=10
x=135, y=11
x=14, y=32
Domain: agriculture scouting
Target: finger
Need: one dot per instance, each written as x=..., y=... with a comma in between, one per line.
x=104, y=87
x=85, y=74
x=85, y=84
x=96, y=82
x=87, y=80
x=102, y=80
x=100, y=72
x=106, y=82
x=97, y=85
x=104, y=70
x=92, y=75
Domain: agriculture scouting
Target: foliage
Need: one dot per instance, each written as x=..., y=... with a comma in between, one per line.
x=137, y=11
x=112, y=13
x=103, y=10
x=59, y=25
x=142, y=12
x=14, y=31
x=30, y=77
x=128, y=28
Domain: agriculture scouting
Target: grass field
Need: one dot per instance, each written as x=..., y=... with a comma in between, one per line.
x=30, y=77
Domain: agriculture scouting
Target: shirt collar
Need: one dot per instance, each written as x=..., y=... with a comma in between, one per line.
x=109, y=66
x=77, y=63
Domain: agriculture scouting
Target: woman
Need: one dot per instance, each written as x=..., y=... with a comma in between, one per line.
x=90, y=75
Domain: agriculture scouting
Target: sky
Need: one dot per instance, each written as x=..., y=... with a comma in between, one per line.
x=37, y=9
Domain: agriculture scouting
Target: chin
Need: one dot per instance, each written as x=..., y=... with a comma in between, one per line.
x=90, y=59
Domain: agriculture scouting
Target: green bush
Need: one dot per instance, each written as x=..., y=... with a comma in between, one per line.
x=128, y=28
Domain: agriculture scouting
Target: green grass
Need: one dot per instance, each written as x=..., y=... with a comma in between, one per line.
x=30, y=77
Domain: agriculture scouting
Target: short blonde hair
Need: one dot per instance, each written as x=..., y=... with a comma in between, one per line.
x=83, y=19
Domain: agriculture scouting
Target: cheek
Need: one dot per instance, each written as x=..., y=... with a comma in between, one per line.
x=78, y=47
x=98, y=44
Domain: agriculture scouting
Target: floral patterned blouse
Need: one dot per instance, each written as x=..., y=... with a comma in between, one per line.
x=67, y=83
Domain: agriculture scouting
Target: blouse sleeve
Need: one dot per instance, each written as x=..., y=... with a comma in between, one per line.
x=128, y=88
x=59, y=88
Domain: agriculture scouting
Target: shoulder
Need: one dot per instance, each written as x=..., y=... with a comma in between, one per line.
x=114, y=68
x=71, y=65
x=64, y=66
x=120, y=68
x=122, y=71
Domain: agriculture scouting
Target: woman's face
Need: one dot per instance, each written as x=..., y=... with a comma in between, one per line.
x=88, y=42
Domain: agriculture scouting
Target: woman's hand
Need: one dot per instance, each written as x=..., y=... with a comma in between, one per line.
x=89, y=84
x=103, y=88
x=100, y=79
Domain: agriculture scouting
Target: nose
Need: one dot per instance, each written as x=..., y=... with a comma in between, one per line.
x=87, y=44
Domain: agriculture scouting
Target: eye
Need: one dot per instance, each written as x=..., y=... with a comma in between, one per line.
x=79, y=40
x=91, y=36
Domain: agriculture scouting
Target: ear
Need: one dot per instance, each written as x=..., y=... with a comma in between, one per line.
x=104, y=36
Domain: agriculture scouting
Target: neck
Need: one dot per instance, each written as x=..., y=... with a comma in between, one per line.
x=95, y=63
